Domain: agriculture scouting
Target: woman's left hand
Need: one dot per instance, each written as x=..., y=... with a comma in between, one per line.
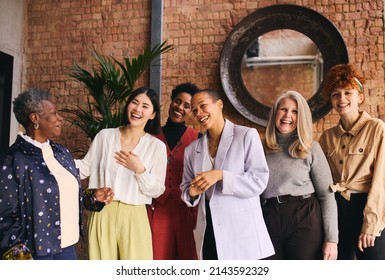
x=330, y=251
x=130, y=161
x=104, y=194
x=365, y=240
x=205, y=180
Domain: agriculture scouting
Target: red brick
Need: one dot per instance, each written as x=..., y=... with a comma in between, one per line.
x=55, y=38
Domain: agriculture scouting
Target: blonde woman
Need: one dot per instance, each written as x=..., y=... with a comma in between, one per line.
x=298, y=205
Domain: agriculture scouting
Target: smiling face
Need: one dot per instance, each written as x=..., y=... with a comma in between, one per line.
x=180, y=107
x=206, y=110
x=346, y=101
x=286, y=116
x=140, y=110
x=50, y=122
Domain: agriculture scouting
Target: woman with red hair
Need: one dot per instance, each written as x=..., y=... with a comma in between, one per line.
x=355, y=150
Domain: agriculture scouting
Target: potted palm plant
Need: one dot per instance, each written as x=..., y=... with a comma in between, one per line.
x=109, y=85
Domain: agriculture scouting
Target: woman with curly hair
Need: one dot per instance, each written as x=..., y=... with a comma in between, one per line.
x=41, y=199
x=172, y=222
x=355, y=150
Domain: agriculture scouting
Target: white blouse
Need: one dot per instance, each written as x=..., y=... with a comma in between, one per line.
x=102, y=169
x=68, y=190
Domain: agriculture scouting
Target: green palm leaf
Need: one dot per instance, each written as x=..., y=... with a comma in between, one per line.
x=108, y=84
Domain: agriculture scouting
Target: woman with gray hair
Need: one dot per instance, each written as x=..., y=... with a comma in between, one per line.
x=298, y=206
x=41, y=197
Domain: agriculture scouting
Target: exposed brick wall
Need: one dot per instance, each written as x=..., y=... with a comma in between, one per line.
x=58, y=33
x=361, y=25
x=61, y=32
x=265, y=83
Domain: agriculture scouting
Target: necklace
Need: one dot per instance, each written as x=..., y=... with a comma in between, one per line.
x=212, y=160
x=213, y=147
x=171, y=156
x=213, y=151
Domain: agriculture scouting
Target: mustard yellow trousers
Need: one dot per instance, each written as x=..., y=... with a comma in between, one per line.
x=120, y=232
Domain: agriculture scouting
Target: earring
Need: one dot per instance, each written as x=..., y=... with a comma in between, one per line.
x=35, y=125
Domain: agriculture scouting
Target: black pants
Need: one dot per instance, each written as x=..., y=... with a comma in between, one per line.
x=209, y=245
x=350, y=217
x=295, y=228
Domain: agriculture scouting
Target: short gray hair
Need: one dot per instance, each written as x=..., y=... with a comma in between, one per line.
x=28, y=102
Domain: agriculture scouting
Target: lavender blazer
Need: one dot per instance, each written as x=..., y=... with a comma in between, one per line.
x=239, y=228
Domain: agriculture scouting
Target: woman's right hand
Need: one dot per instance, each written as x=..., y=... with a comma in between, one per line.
x=194, y=191
x=130, y=161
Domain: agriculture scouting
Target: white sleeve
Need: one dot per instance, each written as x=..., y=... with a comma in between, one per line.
x=151, y=182
x=84, y=165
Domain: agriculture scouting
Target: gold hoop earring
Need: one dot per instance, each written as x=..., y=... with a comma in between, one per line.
x=35, y=125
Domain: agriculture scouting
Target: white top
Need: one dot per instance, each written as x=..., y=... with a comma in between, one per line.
x=68, y=190
x=102, y=169
x=34, y=142
x=69, y=198
x=208, y=164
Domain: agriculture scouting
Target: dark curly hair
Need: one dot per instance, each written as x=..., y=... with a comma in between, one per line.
x=188, y=87
x=28, y=102
x=342, y=76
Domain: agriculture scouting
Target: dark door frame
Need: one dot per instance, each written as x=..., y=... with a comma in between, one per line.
x=6, y=78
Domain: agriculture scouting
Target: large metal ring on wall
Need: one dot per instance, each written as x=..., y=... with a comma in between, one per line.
x=304, y=20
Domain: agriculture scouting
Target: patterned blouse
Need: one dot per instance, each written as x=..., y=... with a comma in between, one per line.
x=29, y=201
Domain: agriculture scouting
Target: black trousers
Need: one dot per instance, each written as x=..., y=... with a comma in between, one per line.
x=295, y=228
x=209, y=246
x=350, y=219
